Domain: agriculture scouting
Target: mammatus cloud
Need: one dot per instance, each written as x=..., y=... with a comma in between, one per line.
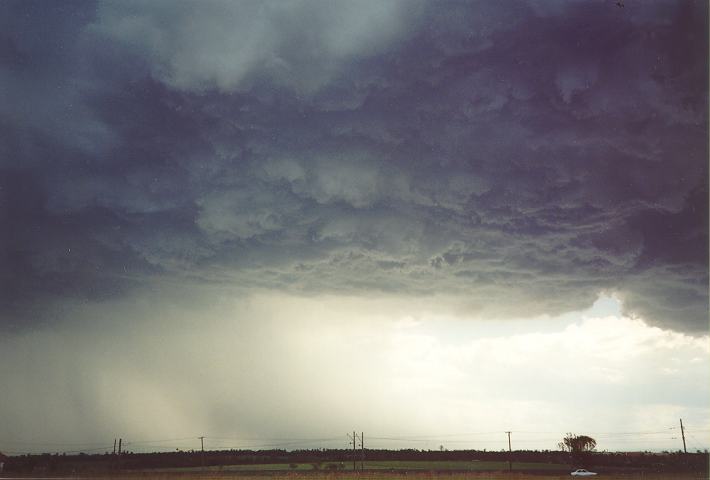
x=518, y=158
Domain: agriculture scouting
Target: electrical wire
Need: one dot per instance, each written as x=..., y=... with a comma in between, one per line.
x=478, y=438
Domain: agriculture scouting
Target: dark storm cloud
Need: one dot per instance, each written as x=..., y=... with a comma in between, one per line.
x=520, y=156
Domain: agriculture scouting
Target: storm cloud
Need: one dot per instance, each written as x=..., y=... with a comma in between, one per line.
x=517, y=158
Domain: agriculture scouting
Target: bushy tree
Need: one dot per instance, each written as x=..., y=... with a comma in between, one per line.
x=576, y=444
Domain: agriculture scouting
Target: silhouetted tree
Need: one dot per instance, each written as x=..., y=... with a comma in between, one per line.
x=576, y=444
x=579, y=446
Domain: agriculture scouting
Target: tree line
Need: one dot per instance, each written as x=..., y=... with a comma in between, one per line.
x=96, y=463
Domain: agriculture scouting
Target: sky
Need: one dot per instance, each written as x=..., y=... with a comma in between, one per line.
x=270, y=223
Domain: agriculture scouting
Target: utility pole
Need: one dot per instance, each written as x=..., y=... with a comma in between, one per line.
x=354, y=440
x=510, y=454
x=114, y=446
x=119, y=445
x=362, y=451
x=682, y=433
x=202, y=451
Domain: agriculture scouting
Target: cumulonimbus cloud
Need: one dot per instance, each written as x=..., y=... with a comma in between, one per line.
x=518, y=158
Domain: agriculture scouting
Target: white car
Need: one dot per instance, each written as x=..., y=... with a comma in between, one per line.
x=580, y=472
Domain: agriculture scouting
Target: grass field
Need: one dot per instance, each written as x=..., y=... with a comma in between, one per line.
x=207, y=475
x=439, y=466
x=397, y=470
x=383, y=470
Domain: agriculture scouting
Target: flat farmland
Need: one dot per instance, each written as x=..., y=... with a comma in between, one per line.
x=401, y=466
x=371, y=475
x=399, y=470
x=374, y=470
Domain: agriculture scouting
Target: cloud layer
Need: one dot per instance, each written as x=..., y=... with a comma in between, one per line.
x=518, y=158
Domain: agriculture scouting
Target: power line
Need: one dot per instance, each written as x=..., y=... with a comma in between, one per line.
x=138, y=442
x=15, y=442
x=272, y=445
x=308, y=439
x=474, y=437
x=434, y=436
x=696, y=442
x=57, y=452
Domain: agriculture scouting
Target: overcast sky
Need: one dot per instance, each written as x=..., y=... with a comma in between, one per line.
x=271, y=223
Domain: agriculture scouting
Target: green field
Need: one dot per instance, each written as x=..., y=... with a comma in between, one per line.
x=473, y=466
x=397, y=470
x=389, y=465
x=379, y=475
x=396, y=465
